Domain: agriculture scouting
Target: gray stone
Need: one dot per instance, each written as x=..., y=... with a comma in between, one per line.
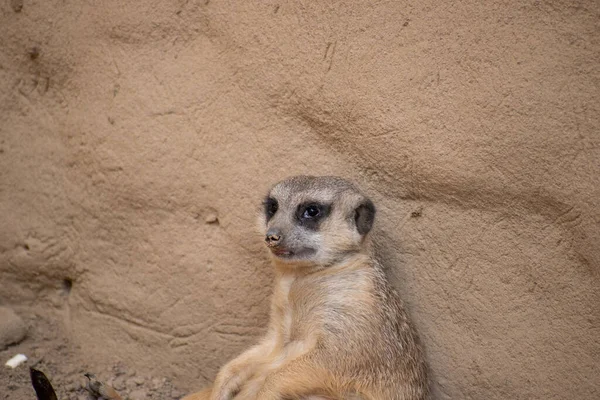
x=119, y=383
x=12, y=328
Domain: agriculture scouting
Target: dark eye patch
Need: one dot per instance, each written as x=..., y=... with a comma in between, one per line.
x=271, y=206
x=310, y=214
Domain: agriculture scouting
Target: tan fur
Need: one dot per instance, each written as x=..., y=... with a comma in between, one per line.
x=338, y=329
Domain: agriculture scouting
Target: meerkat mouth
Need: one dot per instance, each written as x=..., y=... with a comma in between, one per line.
x=292, y=254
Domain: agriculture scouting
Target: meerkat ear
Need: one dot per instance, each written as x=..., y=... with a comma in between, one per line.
x=364, y=215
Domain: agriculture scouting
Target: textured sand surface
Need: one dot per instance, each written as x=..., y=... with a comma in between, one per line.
x=138, y=137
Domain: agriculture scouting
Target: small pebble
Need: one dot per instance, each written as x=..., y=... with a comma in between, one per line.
x=119, y=370
x=17, y=360
x=119, y=383
x=131, y=384
x=156, y=383
x=211, y=218
x=139, y=394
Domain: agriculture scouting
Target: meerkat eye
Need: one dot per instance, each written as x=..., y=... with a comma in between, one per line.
x=311, y=211
x=310, y=215
x=271, y=207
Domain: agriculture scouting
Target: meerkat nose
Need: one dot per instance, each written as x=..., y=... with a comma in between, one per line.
x=273, y=237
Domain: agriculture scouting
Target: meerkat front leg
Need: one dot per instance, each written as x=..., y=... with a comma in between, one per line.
x=301, y=378
x=234, y=374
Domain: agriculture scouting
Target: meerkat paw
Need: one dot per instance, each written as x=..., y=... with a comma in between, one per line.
x=227, y=390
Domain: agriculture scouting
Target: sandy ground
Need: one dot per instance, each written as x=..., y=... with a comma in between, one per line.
x=49, y=351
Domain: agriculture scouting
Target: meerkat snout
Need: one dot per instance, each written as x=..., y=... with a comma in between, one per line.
x=273, y=237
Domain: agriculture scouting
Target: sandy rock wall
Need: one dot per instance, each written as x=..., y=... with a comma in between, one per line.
x=137, y=139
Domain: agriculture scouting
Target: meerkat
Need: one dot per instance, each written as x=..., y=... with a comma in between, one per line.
x=337, y=330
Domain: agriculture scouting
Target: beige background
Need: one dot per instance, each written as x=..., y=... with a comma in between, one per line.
x=127, y=127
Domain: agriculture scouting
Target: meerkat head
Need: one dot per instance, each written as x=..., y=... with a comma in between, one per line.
x=316, y=220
